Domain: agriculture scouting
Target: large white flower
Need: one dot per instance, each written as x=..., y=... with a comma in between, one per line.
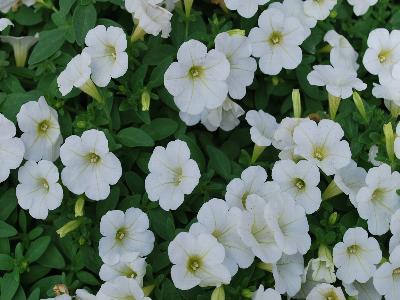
x=263, y=127
x=342, y=52
x=300, y=181
x=245, y=8
x=276, y=41
x=11, y=148
x=172, y=175
x=251, y=181
x=41, y=131
x=362, y=290
x=256, y=233
x=89, y=166
x=39, y=190
x=356, y=256
x=268, y=294
x=319, y=9
x=387, y=279
x=237, y=50
x=106, y=47
x=325, y=291
x=383, y=52
x=378, y=200
x=289, y=225
x=197, y=260
x=124, y=234
x=198, y=79
x=360, y=7
x=130, y=266
x=215, y=218
x=287, y=274
x=121, y=288
x=4, y=23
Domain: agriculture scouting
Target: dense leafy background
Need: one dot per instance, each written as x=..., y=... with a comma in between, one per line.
x=34, y=258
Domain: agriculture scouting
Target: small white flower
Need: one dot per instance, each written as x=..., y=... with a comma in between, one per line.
x=325, y=291
x=360, y=7
x=339, y=81
x=6, y=5
x=124, y=234
x=372, y=153
x=362, y=290
x=319, y=9
x=251, y=181
x=121, y=288
x=388, y=89
x=89, y=166
x=383, y=52
x=237, y=50
x=41, y=131
x=397, y=141
x=215, y=218
x=245, y=8
x=276, y=41
x=106, y=48
x=11, y=148
x=322, y=270
x=268, y=294
x=356, y=256
x=378, y=200
x=198, y=79
x=350, y=180
x=342, y=52
x=386, y=277
x=21, y=46
x=263, y=127
x=130, y=266
x=197, y=260
x=300, y=181
x=39, y=190
x=172, y=175
x=4, y=23
x=287, y=274
x=289, y=224
x=256, y=233
x=322, y=144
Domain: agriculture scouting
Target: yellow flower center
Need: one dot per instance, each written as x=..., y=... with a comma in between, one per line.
x=275, y=38
x=43, y=127
x=319, y=153
x=130, y=273
x=43, y=183
x=299, y=183
x=383, y=56
x=178, y=176
x=120, y=235
x=353, y=249
x=112, y=51
x=93, y=158
x=196, y=72
x=377, y=195
x=194, y=263
x=331, y=295
x=396, y=272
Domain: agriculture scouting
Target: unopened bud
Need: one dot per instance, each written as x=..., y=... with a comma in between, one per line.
x=389, y=138
x=79, y=206
x=69, y=227
x=333, y=218
x=145, y=100
x=296, y=100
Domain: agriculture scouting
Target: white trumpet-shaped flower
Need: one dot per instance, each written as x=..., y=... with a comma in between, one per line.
x=263, y=127
x=245, y=8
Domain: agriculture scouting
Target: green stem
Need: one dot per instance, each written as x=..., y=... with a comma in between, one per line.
x=257, y=151
x=334, y=103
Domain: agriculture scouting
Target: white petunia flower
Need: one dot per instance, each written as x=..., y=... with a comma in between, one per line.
x=11, y=148
x=322, y=144
x=237, y=50
x=197, y=260
x=225, y=117
x=383, y=52
x=268, y=294
x=130, y=266
x=350, y=180
x=198, y=79
x=397, y=141
x=263, y=127
x=215, y=218
x=324, y=291
x=372, y=153
x=82, y=294
x=276, y=41
x=172, y=175
x=342, y=53
x=90, y=167
x=378, y=200
x=39, y=190
x=21, y=46
x=251, y=181
x=4, y=23
x=7, y=5
x=360, y=7
x=387, y=279
x=41, y=131
x=289, y=224
x=395, y=230
x=339, y=81
x=388, y=89
x=121, y=288
x=319, y=9
x=362, y=291
x=245, y=8
x=256, y=233
x=356, y=256
x=124, y=234
x=287, y=274
x=106, y=48
x=300, y=181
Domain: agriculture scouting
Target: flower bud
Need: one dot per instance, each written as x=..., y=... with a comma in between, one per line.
x=333, y=218
x=389, y=138
x=145, y=100
x=79, y=206
x=360, y=105
x=296, y=100
x=265, y=266
x=69, y=227
x=233, y=32
x=60, y=289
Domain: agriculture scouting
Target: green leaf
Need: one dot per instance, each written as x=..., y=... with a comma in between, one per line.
x=161, y=128
x=35, y=295
x=37, y=248
x=219, y=162
x=87, y=278
x=83, y=20
x=52, y=258
x=162, y=223
x=7, y=230
x=8, y=202
x=6, y=262
x=49, y=43
x=9, y=286
x=135, y=137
